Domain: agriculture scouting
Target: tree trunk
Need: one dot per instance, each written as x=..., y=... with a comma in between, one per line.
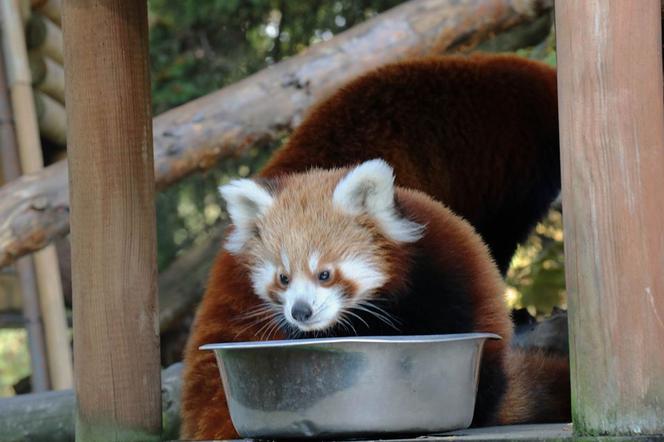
x=269, y=104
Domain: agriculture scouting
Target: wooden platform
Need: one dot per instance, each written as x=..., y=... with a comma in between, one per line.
x=540, y=432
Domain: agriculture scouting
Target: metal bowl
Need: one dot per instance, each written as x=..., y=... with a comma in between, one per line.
x=349, y=387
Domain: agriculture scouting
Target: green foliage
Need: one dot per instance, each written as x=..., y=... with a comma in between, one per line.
x=536, y=278
x=14, y=359
x=197, y=47
x=200, y=46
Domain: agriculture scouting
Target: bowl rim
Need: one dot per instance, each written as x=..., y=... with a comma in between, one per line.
x=399, y=339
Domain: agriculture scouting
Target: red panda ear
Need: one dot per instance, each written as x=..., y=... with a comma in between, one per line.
x=246, y=201
x=369, y=188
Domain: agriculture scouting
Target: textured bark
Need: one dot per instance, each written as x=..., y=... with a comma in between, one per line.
x=269, y=104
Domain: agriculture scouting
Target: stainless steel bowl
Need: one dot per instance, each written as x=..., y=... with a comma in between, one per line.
x=354, y=386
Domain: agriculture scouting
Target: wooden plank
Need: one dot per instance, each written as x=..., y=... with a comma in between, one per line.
x=530, y=433
x=27, y=133
x=270, y=103
x=612, y=142
x=113, y=238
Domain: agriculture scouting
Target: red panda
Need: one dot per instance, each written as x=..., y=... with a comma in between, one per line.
x=324, y=243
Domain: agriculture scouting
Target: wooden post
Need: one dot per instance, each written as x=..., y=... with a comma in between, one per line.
x=113, y=239
x=44, y=36
x=47, y=76
x=51, y=117
x=11, y=170
x=612, y=142
x=49, y=8
x=27, y=133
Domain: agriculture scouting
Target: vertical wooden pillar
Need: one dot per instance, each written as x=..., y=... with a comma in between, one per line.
x=116, y=324
x=612, y=142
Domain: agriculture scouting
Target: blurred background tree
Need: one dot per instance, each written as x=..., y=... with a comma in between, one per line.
x=197, y=47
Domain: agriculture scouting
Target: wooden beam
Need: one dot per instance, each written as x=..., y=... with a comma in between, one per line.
x=272, y=102
x=11, y=168
x=47, y=76
x=113, y=235
x=44, y=36
x=51, y=117
x=612, y=142
x=50, y=8
x=27, y=133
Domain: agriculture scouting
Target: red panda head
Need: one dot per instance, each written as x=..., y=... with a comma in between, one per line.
x=319, y=244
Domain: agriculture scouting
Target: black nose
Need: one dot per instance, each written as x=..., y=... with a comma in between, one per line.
x=301, y=311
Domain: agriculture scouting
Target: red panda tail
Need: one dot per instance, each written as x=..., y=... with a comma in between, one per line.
x=538, y=388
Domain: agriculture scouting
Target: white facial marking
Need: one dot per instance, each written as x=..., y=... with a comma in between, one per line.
x=326, y=304
x=363, y=273
x=262, y=277
x=313, y=262
x=284, y=261
x=246, y=201
x=369, y=188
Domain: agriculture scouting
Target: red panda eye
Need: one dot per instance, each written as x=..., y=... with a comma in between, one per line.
x=324, y=276
x=283, y=279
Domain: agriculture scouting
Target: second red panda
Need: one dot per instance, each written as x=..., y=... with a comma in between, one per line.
x=325, y=243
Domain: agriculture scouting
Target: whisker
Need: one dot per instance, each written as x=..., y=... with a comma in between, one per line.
x=251, y=324
x=272, y=329
x=281, y=324
x=386, y=319
x=267, y=324
x=256, y=312
x=381, y=310
x=345, y=321
x=357, y=316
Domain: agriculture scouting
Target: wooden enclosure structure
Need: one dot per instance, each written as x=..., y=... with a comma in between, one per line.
x=31, y=159
x=612, y=143
x=116, y=316
x=612, y=151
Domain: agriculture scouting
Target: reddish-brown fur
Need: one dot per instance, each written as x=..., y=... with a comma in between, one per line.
x=539, y=388
x=479, y=134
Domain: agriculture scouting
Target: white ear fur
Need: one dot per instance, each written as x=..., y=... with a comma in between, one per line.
x=245, y=202
x=369, y=188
